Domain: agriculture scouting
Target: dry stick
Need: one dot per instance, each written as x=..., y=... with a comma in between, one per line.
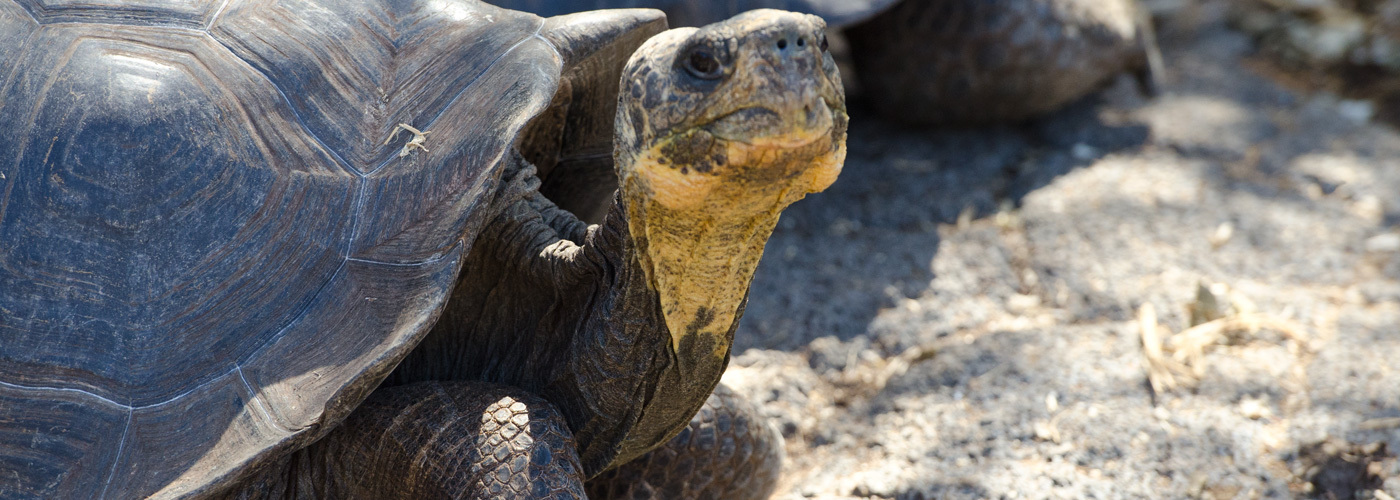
x=862, y=379
x=901, y=363
x=1165, y=373
x=1159, y=375
x=1195, y=339
x=1378, y=424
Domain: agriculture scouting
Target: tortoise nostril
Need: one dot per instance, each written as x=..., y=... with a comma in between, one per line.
x=801, y=42
x=782, y=43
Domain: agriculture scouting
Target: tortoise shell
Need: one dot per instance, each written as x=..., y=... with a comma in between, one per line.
x=208, y=253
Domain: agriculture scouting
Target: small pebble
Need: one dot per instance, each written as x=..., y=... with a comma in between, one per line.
x=1255, y=409
x=1356, y=111
x=1384, y=243
x=1141, y=438
x=1083, y=152
x=1019, y=304
x=1369, y=207
x=1222, y=234
x=1046, y=431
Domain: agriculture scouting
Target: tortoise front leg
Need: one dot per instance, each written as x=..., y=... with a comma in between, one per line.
x=727, y=451
x=460, y=440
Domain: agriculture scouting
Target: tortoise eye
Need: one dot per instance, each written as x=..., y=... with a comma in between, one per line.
x=703, y=64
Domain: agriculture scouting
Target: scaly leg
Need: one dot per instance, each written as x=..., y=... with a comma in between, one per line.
x=430, y=440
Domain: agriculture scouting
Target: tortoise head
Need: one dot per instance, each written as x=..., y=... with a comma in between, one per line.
x=718, y=130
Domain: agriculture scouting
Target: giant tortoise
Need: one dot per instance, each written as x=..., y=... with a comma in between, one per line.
x=955, y=61
x=223, y=223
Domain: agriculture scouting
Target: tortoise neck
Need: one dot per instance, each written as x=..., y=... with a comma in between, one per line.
x=625, y=350
x=691, y=264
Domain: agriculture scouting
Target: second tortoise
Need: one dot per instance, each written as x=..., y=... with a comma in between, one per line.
x=956, y=62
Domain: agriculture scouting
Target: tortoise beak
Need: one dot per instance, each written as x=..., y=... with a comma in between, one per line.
x=781, y=128
x=791, y=82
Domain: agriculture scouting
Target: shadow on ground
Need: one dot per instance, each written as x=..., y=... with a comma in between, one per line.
x=867, y=242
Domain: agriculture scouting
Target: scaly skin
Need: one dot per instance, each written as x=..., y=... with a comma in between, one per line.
x=728, y=451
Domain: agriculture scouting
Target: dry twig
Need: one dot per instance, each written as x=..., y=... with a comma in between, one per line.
x=1175, y=360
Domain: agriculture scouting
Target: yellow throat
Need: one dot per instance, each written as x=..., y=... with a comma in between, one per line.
x=700, y=221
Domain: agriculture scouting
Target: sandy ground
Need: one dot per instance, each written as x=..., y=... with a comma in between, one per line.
x=960, y=315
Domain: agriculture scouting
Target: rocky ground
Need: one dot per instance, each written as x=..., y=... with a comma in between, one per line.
x=970, y=314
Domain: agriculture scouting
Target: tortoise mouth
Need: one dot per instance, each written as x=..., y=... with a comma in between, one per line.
x=765, y=126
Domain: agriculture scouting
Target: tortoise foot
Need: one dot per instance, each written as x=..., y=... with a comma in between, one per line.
x=726, y=452
x=461, y=440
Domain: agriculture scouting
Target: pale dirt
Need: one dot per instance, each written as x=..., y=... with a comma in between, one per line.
x=1016, y=259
